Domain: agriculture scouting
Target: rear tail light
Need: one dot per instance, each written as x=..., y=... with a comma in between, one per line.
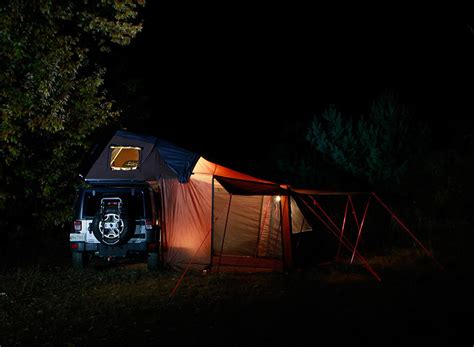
x=148, y=224
x=77, y=225
x=152, y=246
x=74, y=245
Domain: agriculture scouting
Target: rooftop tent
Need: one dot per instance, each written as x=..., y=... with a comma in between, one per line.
x=130, y=156
x=212, y=215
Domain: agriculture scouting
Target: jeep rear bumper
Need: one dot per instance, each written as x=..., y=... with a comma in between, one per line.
x=113, y=251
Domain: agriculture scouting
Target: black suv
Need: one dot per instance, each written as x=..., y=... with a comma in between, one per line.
x=116, y=220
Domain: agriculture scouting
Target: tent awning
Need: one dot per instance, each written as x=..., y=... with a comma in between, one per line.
x=244, y=187
x=324, y=192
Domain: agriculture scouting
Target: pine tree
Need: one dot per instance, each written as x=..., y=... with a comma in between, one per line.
x=376, y=147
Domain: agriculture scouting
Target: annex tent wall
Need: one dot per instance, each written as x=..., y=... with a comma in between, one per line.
x=222, y=217
x=211, y=215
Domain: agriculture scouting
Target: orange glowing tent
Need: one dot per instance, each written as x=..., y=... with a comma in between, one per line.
x=212, y=216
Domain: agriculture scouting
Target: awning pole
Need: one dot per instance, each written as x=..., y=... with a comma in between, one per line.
x=259, y=224
x=212, y=220
x=325, y=214
x=262, y=225
x=345, y=242
x=342, y=229
x=354, y=212
x=407, y=230
x=360, y=228
x=223, y=236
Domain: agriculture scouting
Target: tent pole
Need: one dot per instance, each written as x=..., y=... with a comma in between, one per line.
x=354, y=212
x=345, y=242
x=325, y=214
x=270, y=225
x=212, y=222
x=259, y=225
x=342, y=229
x=163, y=231
x=262, y=224
x=223, y=236
x=407, y=230
x=281, y=234
x=360, y=228
x=285, y=232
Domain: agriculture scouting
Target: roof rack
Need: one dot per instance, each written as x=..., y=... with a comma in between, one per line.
x=115, y=182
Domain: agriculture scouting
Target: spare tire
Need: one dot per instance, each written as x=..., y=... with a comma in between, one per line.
x=112, y=228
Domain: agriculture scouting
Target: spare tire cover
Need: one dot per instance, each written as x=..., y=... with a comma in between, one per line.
x=112, y=228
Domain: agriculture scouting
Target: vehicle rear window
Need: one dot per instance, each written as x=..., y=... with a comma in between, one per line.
x=134, y=204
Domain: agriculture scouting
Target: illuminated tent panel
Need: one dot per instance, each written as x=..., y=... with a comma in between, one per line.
x=186, y=221
x=228, y=225
x=246, y=225
x=299, y=223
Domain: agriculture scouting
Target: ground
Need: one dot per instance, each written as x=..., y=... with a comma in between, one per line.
x=123, y=303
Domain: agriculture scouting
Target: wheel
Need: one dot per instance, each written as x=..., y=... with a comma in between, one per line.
x=153, y=261
x=78, y=260
x=112, y=229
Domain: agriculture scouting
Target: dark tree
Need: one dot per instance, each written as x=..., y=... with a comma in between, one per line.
x=376, y=147
x=52, y=96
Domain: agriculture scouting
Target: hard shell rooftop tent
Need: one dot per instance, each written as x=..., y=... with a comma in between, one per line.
x=130, y=156
x=212, y=215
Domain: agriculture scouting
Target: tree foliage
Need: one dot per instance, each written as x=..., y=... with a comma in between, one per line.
x=52, y=96
x=376, y=147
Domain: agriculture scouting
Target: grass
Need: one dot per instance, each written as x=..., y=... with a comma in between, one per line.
x=125, y=304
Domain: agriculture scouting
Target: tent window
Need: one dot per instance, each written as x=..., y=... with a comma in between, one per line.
x=124, y=157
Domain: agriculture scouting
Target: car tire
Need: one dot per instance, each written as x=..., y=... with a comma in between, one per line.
x=153, y=261
x=78, y=260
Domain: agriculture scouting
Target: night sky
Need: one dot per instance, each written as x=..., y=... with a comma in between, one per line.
x=229, y=79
